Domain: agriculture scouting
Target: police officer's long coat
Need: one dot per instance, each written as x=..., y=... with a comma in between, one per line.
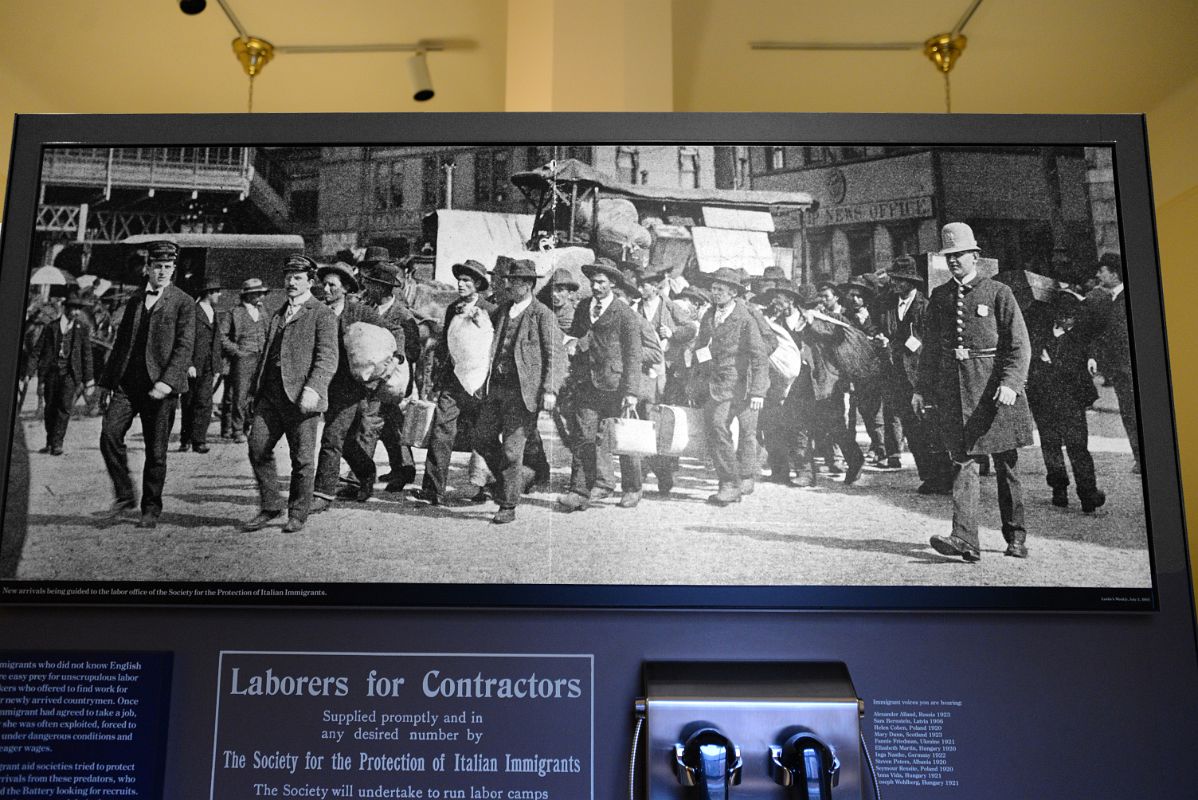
x=975, y=341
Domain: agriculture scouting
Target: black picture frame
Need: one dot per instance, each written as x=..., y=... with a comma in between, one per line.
x=1125, y=135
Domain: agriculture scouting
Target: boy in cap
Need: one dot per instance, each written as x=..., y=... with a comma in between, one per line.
x=146, y=373
x=205, y=366
x=974, y=370
x=291, y=389
x=243, y=338
x=64, y=365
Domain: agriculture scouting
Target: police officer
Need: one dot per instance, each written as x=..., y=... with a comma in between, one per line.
x=974, y=371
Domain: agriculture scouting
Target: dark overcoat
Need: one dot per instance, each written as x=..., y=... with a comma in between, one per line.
x=309, y=354
x=739, y=367
x=538, y=350
x=1058, y=377
x=168, y=344
x=984, y=321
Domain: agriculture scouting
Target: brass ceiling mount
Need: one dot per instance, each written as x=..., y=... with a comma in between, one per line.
x=253, y=53
x=944, y=49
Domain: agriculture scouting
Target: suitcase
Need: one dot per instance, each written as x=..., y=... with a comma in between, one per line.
x=629, y=436
x=418, y=423
x=681, y=432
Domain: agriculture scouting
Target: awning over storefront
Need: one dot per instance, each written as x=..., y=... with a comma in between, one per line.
x=739, y=219
x=241, y=241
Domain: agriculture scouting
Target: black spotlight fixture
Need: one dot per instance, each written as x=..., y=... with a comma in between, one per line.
x=192, y=6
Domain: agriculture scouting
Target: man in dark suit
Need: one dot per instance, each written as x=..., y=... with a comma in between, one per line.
x=733, y=378
x=974, y=371
x=607, y=374
x=291, y=389
x=527, y=367
x=1110, y=351
x=205, y=366
x=64, y=365
x=1059, y=390
x=146, y=373
x=243, y=338
x=382, y=282
x=454, y=399
x=901, y=325
x=351, y=422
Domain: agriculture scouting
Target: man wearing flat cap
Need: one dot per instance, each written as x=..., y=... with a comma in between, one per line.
x=458, y=381
x=243, y=337
x=291, y=389
x=733, y=378
x=607, y=374
x=558, y=295
x=205, y=366
x=146, y=373
x=351, y=422
x=974, y=372
x=65, y=363
x=527, y=368
x=381, y=283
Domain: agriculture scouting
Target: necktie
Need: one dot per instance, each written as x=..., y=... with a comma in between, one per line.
x=291, y=311
x=596, y=310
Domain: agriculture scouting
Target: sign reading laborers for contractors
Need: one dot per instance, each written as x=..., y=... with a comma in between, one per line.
x=431, y=726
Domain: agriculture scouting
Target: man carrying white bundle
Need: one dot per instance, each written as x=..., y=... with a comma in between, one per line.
x=463, y=358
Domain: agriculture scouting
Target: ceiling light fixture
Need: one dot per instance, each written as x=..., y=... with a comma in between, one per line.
x=943, y=49
x=254, y=53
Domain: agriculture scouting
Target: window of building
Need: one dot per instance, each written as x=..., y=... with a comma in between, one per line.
x=904, y=238
x=628, y=164
x=388, y=185
x=434, y=182
x=491, y=176
x=777, y=158
x=582, y=153
x=850, y=153
x=816, y=155
x=537, y=156
x=688, y=167
x=861, y=250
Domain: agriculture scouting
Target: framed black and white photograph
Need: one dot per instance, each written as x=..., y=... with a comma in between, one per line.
x=763, y=361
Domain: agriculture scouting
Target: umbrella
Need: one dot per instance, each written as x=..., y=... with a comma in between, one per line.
x=49, y=276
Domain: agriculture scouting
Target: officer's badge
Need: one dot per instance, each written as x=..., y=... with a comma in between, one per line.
x=983, y=310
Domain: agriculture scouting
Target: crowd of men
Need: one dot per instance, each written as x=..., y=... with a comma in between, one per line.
x=955, y=378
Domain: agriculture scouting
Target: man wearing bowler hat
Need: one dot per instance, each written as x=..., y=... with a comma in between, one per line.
x=291, y=389
x=64, y=365
x=902, y=324
x=201, y=376
x=453, y=399
x=733, y=375
x=527, y=367
x=1110, y=351
x=243, y=337
x=974, y=371
x=351, y=421
x=146, y=373
x=607, y=367
x=381, y=283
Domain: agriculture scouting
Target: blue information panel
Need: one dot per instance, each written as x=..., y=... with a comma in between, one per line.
x=404, y=725
x=83, y=724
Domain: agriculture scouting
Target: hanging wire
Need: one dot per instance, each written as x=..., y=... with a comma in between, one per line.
x=250, y=105
x=948, y=96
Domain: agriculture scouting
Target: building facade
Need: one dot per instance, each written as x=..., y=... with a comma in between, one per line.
x=1031, y=208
